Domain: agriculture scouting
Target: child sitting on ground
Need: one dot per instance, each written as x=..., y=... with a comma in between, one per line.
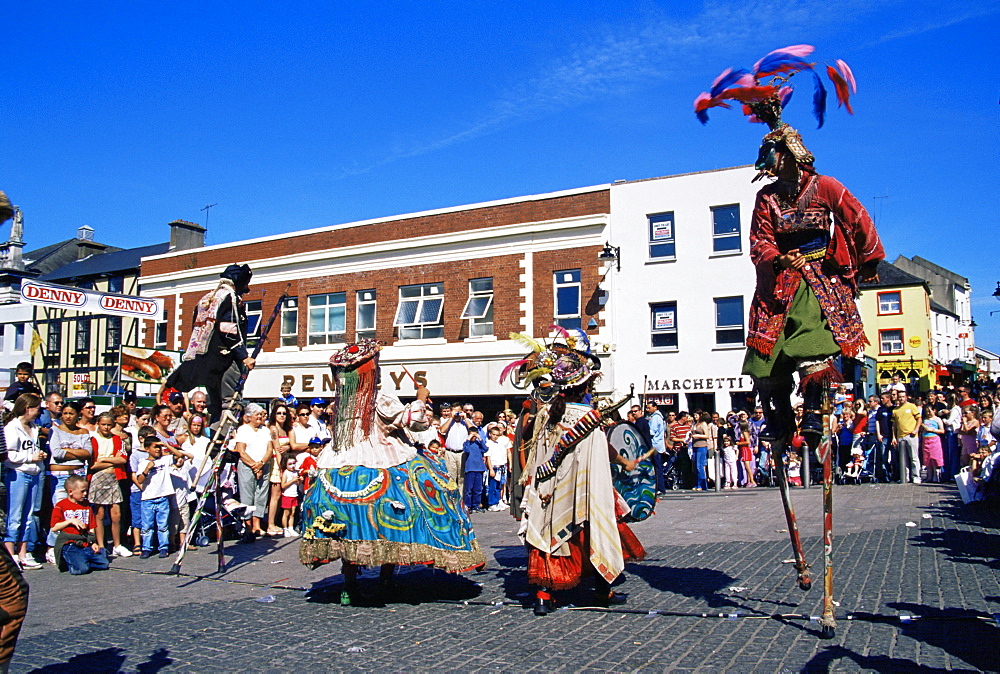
x=72, y=520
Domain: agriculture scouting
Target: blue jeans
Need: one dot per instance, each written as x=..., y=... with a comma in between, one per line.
x=135, y=505
x=83, y=560
x=23, y=491
x=474, y=489
x=659, y=461
x=701, y=463
x=156, y=511
x=494, y=486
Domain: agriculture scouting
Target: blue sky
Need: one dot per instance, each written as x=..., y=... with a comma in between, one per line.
x=124, y=116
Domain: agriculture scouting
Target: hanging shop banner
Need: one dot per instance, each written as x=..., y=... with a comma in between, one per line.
x=68, y=297
x=149, y=366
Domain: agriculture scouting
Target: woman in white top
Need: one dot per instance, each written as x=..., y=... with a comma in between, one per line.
x=25, y=462
x=254, y=445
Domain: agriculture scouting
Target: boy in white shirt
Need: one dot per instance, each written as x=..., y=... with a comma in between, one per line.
x=153, y=478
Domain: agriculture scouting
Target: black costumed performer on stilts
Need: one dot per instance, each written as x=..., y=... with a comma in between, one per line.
x=376, y=501
x=218, y=339
x=572, y=516
x=811, y=241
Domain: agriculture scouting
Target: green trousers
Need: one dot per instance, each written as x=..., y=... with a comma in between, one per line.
x=806, y=337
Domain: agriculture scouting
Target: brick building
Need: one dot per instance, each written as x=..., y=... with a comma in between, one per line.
x=441, y=289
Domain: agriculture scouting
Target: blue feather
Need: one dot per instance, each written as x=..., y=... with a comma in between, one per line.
x=727, y=80
x=702, y=116
x=779, y=62
x=819, y=100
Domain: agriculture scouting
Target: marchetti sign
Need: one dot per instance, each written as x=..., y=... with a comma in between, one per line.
x=700, y=384
x=67, y=297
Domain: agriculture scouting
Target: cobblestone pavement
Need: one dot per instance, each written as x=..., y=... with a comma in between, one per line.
x=713, y=595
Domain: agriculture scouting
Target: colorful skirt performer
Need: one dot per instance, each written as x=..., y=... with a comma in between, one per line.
x=405, y=514
x=376, y=501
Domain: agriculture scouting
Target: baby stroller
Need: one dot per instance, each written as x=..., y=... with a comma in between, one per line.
x=233, y=525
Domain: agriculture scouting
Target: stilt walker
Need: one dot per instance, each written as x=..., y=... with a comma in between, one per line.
x=811, y=242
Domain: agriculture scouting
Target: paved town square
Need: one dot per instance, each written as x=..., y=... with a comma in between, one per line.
x=713, y=595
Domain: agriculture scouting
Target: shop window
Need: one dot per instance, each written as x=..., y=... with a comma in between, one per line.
x=290, y=322
x=420, y=312
x=567, y=298
x=365, y=314
x=661, y=236
x=729, y=321
x=479, y=307
x=890, y=302
x=890, y=342
x=327, y=318
x=726, y=229
x=663, y=325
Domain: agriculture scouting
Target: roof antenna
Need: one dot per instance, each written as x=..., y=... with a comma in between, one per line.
x=208, y=206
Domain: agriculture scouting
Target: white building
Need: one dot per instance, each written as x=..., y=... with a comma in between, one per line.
x=678, y=306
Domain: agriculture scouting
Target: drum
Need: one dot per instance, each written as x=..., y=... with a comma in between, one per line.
x=638, y=487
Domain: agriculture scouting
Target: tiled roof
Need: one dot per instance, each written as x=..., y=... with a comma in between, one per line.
x=106, y=263
x=891, y=276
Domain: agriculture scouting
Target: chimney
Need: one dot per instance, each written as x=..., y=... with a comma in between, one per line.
x=186, y=235
x=85, y=244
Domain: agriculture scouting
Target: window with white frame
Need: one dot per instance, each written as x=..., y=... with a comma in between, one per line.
x=290, y=322
x=160, y=331
x=420, y=312
x=890, y=302
x=663, y=325
x=3, y=329
x=661, y=236
x=729, y=321
x=890, y=341
x=19, y=336
x=327, y=318
x=116, y=284
x=568, y=298
x=364, y=320
x=726, y=229
x=479, y=307
x=254, y=309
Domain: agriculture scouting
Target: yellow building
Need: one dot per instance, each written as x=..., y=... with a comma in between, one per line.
x=897, y=317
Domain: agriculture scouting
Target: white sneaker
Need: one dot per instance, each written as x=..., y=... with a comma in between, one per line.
x=121, y=551
x=291, y=533
x=28, y=564
x=50, y=556
x=916, y=480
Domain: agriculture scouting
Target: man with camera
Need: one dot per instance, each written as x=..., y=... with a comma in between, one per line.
x=455, y=430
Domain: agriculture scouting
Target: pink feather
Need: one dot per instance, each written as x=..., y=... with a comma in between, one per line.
x=560, y=330
x=841, y=88
x=845, y=70
x=510, y=368
x=802, y=50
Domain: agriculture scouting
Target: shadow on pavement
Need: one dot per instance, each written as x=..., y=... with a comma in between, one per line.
x=831, y=658
x=412, y=585
x=696, y=583
x=107, y=660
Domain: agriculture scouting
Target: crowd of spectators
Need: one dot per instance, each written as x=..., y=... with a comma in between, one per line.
x=82, y=487
x=894, y=436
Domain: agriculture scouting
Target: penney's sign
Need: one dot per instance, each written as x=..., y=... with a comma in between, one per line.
x=66, y=297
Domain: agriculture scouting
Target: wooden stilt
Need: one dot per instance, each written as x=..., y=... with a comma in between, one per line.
x=828, y=620
x=805, y=578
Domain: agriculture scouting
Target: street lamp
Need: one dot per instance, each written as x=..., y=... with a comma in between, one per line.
x=996, y=294
x=614, y=254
